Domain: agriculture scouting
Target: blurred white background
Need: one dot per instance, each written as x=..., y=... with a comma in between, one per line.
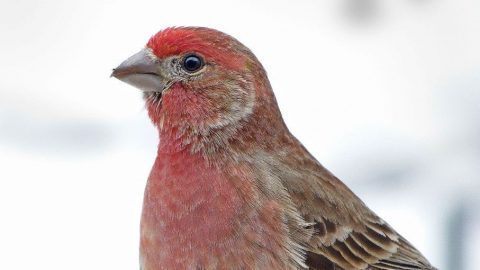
x=386, y=94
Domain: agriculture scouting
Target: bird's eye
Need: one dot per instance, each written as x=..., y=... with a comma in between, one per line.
x=192, y=63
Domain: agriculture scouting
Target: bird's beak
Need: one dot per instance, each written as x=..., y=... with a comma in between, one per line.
x=141, y=70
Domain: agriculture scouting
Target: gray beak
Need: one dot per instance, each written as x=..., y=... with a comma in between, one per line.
x=141, y=70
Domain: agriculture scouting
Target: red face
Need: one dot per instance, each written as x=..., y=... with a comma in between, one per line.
x=195, y=78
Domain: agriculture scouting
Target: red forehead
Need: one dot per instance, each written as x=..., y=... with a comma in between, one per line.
x=212, y=44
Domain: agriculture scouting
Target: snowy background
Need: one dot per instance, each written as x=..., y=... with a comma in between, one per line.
x=386, y=94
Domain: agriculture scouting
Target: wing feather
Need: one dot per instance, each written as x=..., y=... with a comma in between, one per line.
x=377, y=246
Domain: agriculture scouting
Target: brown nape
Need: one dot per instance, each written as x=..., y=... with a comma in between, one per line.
x=318, y=262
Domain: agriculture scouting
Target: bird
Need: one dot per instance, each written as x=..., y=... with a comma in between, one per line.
x=231, y=187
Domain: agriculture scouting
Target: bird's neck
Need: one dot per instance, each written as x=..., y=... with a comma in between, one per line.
x=218, y=144
x=186, y=124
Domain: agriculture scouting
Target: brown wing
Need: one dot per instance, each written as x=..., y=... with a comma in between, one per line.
x=345, y=234
x=376, y=247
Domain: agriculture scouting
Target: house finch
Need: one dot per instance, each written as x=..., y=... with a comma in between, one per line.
x=231, y=187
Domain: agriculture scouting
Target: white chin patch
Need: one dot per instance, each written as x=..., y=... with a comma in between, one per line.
x=144, y=82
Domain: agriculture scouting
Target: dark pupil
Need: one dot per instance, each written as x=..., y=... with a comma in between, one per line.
x=192, y=63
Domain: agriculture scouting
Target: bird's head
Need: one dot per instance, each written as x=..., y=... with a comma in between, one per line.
x=199, y=81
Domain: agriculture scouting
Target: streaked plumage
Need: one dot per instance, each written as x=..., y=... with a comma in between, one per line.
x=231, y=187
